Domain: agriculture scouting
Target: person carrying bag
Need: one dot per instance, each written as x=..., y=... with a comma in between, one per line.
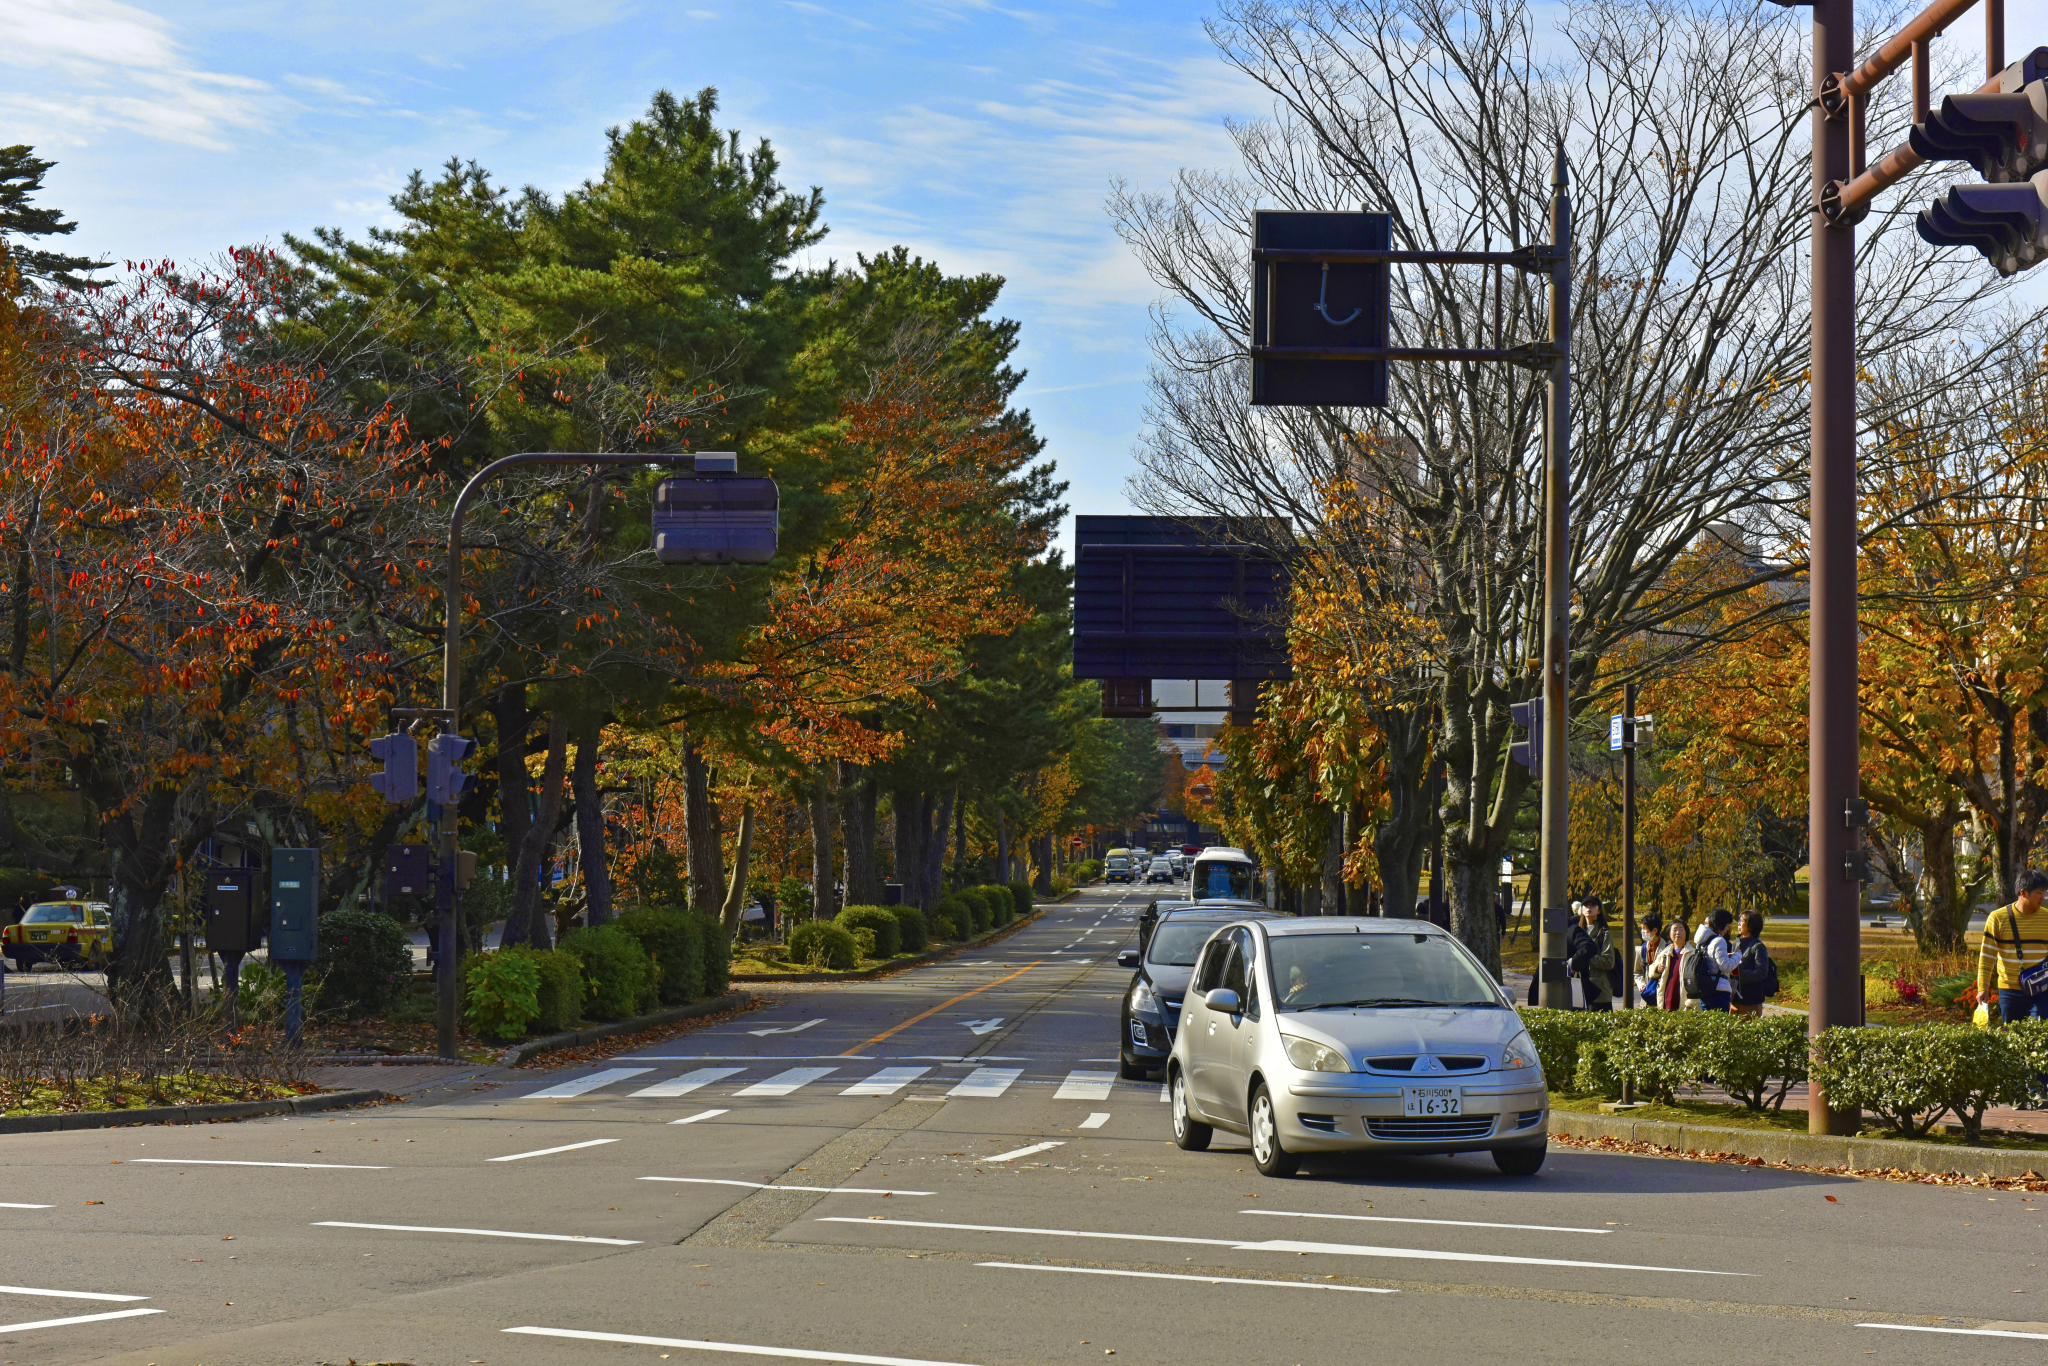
x=1756, y=975
x=2012, y=961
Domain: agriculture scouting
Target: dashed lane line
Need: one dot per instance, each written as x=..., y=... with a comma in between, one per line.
x=77, y=1318
x=779, y=1186
x=1204, y=1280
x=69, y=1294
x=550, y=1152
x=701, y=1114
x=229, y=1162
x=481, y=1233
x=1391, y=1219
x=1025, y=1152
x=736, y=1348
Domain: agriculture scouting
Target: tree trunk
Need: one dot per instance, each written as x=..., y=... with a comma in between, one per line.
x=1002, y=849
x=857, y=798
x=590, y=836
x=1042, y=884
x=1399, y=844
x=515, y=789
x=706, y=847
x=824, y=901
x=912, y=815
x=526, y=924
x=1331, y=891
x=736, y=894
x=933, y=873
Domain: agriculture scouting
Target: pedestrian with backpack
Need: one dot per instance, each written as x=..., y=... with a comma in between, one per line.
x=1710, y=971
x=1756, y=975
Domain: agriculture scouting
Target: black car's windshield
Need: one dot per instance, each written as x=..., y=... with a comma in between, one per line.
x=1222, y=881
x=1317, y=971
x=1175, y=946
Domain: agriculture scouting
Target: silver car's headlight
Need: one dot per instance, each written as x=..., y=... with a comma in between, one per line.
x=1520, y=1052
x=1311, y=1056
x=1144, y=1000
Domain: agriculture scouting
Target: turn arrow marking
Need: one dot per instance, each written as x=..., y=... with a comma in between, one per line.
x=786, y=1029
x=984, y=1026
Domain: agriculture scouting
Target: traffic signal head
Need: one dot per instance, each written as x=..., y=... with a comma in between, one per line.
x=1529, y=716
x=445, y=779
x=2005, y=136
x=2007, y=223
x=400, y=780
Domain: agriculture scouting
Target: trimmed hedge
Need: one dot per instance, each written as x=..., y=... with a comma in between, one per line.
x=1909, y=1076
x=501, y=994
x=561, y=987
x=910, y=925
x=715, y=956
x=1020, y=892
x=824, y=942
x=364, y=962
x=672, y=941
x=619, y=977
x=944, y=925
x=880, y=919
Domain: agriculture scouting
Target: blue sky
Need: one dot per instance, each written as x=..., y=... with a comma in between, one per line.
x=981, y=135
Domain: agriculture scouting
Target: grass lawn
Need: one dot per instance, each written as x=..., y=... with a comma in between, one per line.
x=1729, y=1116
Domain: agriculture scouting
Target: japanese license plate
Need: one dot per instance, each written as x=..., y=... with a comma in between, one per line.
x=1432, y=1100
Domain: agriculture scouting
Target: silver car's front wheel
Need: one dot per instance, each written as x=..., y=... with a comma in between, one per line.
x=1268, y=1155
x=1189, y=1133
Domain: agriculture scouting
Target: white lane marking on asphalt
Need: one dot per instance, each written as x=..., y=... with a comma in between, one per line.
x=1025, y=1152
x=9, y=1204
x=688, y=1082
x=767, y=1185
x=1288, y=1245
x=1205, y=1280
x=1163, y=1096
x=1096, y=1120
x=1966, y=1332
x=481, y=1233
x=987, y=1082
x=550, y=1152
x=782, y=1083
x=1085, y=1086
x=786, y=1029
x=701, y=1114
x=69, y=1294
x=225, y=1162
x=746, y=1057
x=566, y=1089
x=737, y=1348
x=886, y=1082
x=1390, y=1219
x=81, y=1318
x=984, y=1026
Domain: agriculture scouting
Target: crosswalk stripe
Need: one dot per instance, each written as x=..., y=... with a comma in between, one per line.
x=987, y=1082
x=689, y=1081
x=564, y=1090
x=1085, y=1086
x=886, y=1082
x=782, y=1083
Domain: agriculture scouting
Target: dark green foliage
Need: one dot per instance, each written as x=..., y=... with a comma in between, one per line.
x=825, y=943
x=672, y=939
x=910, y=923
x=1020, y=892
x=943, y=925
x=364, y=963
x=501, y=994
x=793, y=900
x=714, y=955
x=977, y=909
x=560, y=996
x=618, y=976
x=1909, y=1076
x=958, y=909
x=21, y=175
x=880, y=919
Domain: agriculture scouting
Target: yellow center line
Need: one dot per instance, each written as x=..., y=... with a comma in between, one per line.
x=864, y=1047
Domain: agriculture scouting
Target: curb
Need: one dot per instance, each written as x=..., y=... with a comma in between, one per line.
x=188, y=1114
x=1804, y=1150
x=533, y=1048
x=899, y=964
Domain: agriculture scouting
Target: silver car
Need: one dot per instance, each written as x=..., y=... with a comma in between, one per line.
x=1335, y=1034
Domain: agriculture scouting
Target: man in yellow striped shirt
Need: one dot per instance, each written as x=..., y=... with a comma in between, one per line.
x=2015, y=939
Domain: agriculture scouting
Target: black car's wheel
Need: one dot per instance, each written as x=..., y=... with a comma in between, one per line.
x=1521, y=1161
x=1268, y=1153
x=1132, y=1071
x=1189, y=1134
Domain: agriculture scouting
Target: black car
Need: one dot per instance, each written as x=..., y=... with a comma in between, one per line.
x=1151, y=1010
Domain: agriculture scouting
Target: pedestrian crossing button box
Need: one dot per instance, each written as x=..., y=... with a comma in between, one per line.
x=294, y=905
x=408, y=870
x=230, y=917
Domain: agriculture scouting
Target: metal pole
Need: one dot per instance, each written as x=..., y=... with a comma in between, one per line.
x=1628, y=844
x=1554, y=990
x=1833, y=933
x=448, y=965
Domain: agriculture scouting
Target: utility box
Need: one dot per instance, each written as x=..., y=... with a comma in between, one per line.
x=408, y=870
x=231, y=920
x=294, y=904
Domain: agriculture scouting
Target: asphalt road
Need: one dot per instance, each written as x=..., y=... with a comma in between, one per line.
x=760, y=1191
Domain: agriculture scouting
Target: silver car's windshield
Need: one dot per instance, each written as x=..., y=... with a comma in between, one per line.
x=1316, y=971
x=1175, y=946
x=1227, y=881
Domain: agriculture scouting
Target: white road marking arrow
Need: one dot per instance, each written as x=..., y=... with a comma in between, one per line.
x=786, y=1029
x=984, y=1026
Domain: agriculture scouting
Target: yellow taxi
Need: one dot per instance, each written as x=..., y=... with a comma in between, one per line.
x=59, y=932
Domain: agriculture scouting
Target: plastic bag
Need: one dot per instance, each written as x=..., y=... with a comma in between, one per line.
x=1982, y=1017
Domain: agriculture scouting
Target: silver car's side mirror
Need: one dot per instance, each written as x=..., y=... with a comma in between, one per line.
x=1224, y=1002
x=1127, y=958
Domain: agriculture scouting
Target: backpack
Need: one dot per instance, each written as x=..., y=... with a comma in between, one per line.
x=1699, y=974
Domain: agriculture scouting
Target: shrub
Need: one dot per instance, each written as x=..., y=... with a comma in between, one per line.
x=793, y=900
x=1001, y=908
x=943, y=926
x=1060, y=886
x=1910, y=1076
x=714, y=955
x=825, y=944
x=879, y=919
x=1558, y=1035
x=618, y=975
x=502, y=994
x=670, y=938
x=1746, y=1055
x=910, y=926
x=1020, y=893
x=863, y=942
x=560, y=996
x=977, y=909
x=364, y=962
x=1656, y=1051
x=1083, y=871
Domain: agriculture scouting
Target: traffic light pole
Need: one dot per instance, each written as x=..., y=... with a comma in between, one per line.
x=448, y=980
x=1553, y=989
